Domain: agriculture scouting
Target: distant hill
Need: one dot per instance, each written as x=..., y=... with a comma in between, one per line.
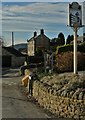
x=22, y=47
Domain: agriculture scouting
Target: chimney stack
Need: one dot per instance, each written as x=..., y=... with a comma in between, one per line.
x=12, y=39
x=42, y=32
x=35, y=34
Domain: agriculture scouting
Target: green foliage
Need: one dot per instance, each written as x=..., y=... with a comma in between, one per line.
x=68, y=47
x=69, y=39
x=81, y=47
x=61, y=38
x=58, y=41
x=54, y=40
x=64, y=61
x=83, y=43
x=53, y=48
x=64, y=48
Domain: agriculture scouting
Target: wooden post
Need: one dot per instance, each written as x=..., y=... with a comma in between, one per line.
x=52, y=62
x=45, y=61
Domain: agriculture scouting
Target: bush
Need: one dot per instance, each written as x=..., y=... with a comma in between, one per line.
x=65, y=61
x=81, y=47
x=64, y=48
x=81, y=61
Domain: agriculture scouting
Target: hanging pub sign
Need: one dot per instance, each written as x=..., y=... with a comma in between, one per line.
x=75, y=15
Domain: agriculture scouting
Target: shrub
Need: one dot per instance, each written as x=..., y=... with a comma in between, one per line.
x=81, y=47
x=65, y=61
x=64, y=48
x=81, y=61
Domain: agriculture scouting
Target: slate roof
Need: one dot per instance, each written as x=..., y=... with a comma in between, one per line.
x=13, y=51
x=33, y=38
x=41, y=36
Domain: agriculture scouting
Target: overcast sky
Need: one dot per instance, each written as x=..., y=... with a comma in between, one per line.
x=24, y=18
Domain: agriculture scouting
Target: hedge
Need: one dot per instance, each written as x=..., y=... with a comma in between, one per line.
x=64, y=48
x=81, y=47
x=67, y=48
x=64, y=62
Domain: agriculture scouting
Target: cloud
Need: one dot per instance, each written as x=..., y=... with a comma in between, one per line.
x=41, y=0
x=25, y=18
x=34, y=15
x=36, y=8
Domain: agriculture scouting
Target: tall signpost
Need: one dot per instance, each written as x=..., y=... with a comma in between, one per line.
x=75, y=21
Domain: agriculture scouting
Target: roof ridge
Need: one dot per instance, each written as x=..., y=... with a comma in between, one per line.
x=14, y=51
x=34, y=38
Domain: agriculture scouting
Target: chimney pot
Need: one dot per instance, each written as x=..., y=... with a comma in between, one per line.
x=35, y=34
x=42, y=31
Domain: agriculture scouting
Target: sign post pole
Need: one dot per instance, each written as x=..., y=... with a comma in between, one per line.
x=75, y=21
x=75, y=50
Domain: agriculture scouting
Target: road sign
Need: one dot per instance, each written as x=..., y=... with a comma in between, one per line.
x=75, y=14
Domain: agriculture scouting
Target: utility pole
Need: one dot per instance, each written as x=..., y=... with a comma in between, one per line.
x=12, y=39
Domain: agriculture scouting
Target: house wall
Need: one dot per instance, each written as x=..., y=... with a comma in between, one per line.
x=42, y=42
x=5, y=52
x=15, y=61
x=31, y=48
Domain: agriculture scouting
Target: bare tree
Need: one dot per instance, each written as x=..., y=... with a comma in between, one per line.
x=2, y=41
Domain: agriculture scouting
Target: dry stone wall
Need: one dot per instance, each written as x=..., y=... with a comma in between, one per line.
x=58, y=99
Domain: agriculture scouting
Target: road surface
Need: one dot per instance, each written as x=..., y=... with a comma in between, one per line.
x=14, y=103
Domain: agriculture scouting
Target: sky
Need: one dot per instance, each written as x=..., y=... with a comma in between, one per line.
x=24, y=18
x=42, y=0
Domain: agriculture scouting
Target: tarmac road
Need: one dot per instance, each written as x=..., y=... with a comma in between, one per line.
x=14, y=103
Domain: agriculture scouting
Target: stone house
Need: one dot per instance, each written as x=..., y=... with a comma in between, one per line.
x=12, y=57
x=38, y=42
x=80, y=40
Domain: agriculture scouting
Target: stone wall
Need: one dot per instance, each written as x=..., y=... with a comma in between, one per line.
x=63, y=104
